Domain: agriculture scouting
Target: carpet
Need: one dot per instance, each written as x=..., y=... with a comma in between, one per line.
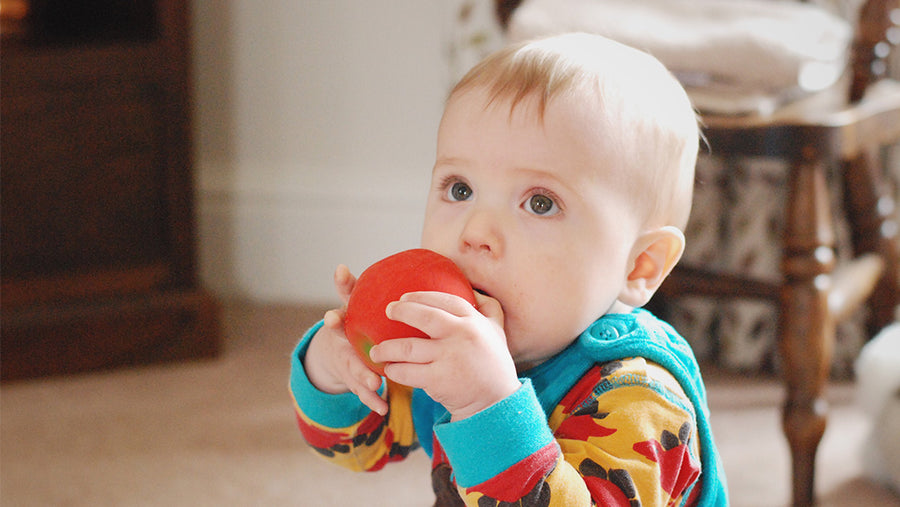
x=222, y=432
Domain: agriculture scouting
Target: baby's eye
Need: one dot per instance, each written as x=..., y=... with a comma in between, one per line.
x=459, y=191
x=543, y=205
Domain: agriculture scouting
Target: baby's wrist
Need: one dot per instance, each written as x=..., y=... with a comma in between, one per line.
x=316, y=370
x=325, y=385
x=495, y=396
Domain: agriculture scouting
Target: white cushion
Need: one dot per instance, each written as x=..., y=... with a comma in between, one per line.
x=733, y=56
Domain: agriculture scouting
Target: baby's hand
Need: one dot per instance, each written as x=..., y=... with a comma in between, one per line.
x=332, y=365
x=465, y=366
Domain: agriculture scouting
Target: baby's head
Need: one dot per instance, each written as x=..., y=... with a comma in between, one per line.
x=562, y=180
x=643, y=115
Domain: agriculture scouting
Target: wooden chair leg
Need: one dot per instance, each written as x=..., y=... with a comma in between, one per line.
x=870, y=211
x=806, y=327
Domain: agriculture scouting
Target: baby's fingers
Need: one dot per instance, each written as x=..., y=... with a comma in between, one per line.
x=368, y=394
x=489, y=307
x=405, y=350
x=364, y=383
x=344, y=282
x=449, y=303
x=436, y=314
x=334, y=320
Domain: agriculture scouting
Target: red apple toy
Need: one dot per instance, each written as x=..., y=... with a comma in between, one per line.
x=365, y=322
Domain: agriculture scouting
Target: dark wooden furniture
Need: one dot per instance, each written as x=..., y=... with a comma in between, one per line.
x=814, y=293
x=98, y=255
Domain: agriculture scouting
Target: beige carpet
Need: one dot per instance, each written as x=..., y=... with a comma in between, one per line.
x=222, y=433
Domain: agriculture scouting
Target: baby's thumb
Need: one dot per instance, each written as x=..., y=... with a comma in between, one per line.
x=344, y=282
x=489, y=307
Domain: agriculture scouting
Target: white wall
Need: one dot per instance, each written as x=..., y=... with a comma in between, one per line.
x=315, y=123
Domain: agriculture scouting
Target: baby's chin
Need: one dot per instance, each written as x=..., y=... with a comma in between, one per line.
x=525, y=362
x=522, y=367
x=536, y=347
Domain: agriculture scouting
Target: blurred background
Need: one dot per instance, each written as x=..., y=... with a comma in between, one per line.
x=180, y=179
x=315, y=126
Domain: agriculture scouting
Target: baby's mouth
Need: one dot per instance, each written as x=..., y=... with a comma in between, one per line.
x=483, y=292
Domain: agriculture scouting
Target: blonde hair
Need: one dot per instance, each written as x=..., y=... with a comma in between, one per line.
x=652, y=126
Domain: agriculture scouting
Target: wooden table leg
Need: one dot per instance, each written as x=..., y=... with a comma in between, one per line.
x=870, y=211
x=806, y=328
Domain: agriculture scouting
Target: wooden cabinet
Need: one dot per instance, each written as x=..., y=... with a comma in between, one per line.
x=98, y=255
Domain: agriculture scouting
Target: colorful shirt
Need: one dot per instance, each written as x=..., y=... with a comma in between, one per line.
x=617, y=418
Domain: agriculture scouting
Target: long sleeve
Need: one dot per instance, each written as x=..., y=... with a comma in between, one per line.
x=619, y=437
x=342, y=429
x=618, y=418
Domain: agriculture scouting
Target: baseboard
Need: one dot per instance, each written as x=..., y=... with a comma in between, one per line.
x=277, y=241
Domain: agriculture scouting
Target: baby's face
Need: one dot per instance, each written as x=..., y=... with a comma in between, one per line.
x=531, y=214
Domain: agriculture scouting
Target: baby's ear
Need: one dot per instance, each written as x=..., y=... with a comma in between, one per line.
x=654, y=255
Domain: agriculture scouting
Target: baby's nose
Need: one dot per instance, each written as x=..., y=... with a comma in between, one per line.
x=483, y=233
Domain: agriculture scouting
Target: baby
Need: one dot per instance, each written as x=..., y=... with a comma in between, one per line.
x=562, y=182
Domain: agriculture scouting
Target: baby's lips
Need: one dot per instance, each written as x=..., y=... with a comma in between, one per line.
x=483, y=292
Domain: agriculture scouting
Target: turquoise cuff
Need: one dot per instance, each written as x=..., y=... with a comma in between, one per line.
x=486, y=444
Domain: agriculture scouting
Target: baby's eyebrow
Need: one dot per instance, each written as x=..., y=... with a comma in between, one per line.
x=451, y=161
x=537, y=173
